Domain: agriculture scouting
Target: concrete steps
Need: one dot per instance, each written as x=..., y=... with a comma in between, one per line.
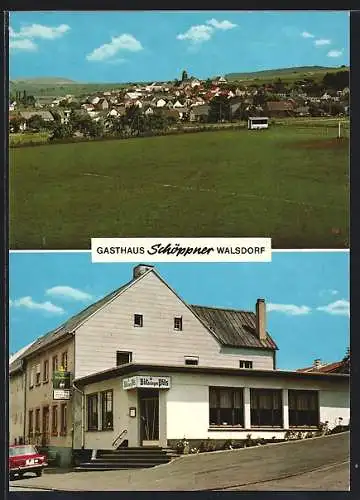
x=128, y=458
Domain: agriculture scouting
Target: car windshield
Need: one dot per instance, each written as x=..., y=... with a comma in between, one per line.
x=22, y=450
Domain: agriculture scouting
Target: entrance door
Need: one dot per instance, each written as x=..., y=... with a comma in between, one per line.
x=45, y=426
x=149, y=417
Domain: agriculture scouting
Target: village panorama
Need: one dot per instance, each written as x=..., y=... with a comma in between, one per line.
x=182, y=158
x=187, y=103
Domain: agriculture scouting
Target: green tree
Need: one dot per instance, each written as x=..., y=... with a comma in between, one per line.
x=61, y=131
x=15, y=124
x=36, y=123
x=219, y=109
x=95, y=129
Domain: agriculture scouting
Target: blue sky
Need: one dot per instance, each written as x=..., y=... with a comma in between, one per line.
x=144, y=46
x=307, y=295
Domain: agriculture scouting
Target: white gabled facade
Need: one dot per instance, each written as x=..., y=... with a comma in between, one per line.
x=138, y=321
x=112, y=329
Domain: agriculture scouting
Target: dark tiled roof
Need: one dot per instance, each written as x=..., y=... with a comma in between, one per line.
x=70, y=325
x=233, y=328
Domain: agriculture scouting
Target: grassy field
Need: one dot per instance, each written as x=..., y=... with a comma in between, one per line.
x=22, y=138
x=289, y=183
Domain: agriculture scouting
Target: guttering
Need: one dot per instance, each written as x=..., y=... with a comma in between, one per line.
x=133, y=367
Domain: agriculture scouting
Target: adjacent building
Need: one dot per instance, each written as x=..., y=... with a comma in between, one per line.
x=146, y=368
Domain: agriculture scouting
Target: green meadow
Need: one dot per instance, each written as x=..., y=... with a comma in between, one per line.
x=289, y=182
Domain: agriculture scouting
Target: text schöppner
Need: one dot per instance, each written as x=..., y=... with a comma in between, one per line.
x=179, y=251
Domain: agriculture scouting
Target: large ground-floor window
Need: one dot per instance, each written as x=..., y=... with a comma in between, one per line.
x=266, y=407
x=303, y=408
x=226, y=406
x=107, y=413
x=92, y=412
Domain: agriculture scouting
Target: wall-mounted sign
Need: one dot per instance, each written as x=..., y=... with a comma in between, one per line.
x=61, y=380
x=61, y=394
x=132, y=412
x=146, y=382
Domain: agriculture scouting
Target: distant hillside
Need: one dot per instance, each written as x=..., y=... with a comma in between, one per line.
x=285, y=73
x=58, y=86
x=42, y=81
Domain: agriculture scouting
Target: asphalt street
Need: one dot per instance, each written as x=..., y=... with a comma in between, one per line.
x=311, y=464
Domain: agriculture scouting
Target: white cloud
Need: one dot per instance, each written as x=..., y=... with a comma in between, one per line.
x=321, y=42
x=306, y=34
x=29, y=303
x=335, y=53
x=24, y=44
x=339, y=308
x=290, y=309
x=221, y=25
x=119, y=43
x=197, y=34
x=203, y=32
x=40, y=31
x=24, y=39
x=67, y=292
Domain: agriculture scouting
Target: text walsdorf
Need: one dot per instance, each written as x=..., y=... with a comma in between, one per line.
x=180, y=251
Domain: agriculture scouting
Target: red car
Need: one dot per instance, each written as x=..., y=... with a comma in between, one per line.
x=25, y=458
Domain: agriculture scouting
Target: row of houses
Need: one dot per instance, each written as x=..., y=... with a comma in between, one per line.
x=141, y=367
x=189, y=99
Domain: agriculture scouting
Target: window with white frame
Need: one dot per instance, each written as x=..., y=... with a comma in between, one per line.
x=123, y=357
x=178, y=323
x=191, y=360
x=107, y=413
x=138, y=320
x=31, y=377
x=46, y=371
x=92, y=412
x=38, y=374
x=303, y=408
x=245, y=364
x=266, y=407
x=226, y=406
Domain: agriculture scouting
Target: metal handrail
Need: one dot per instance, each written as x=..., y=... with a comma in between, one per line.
x=119, y=436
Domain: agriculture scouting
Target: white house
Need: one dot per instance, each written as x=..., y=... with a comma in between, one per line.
x=95, y=100
x=164, y=370
x=160, y=103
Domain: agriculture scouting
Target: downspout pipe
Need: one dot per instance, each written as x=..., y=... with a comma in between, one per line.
x=82, y=415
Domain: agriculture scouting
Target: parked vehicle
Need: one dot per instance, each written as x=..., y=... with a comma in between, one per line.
x=25, y=458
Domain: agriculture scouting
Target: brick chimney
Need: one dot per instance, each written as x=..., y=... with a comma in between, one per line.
x=141, y=269
x=261, y=319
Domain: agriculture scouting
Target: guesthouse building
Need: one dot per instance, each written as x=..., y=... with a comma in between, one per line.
x=143, y=367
